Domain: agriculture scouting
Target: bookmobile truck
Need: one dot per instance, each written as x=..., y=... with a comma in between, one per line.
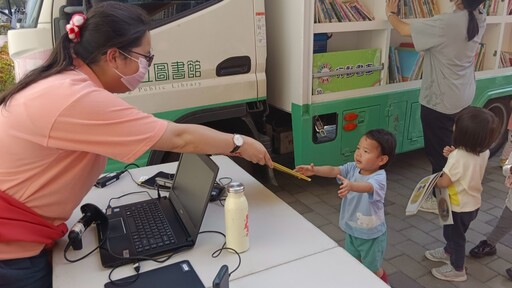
x=266, y=69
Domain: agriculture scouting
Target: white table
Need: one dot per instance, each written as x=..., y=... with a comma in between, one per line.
x=332, y=268
x=278, y=235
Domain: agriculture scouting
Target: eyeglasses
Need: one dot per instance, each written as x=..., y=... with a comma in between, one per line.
x=148, y=57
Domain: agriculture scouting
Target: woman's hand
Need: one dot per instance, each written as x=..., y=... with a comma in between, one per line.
x=391, y=6
x=458, y=4
x=252, y=150
x=306, y=170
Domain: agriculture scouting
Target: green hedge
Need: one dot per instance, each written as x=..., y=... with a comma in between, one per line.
x=6, y=69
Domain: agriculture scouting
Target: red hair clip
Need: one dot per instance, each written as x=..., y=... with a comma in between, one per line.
x=73, y=28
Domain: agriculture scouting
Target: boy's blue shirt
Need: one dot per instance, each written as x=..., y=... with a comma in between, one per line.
x=362, y=214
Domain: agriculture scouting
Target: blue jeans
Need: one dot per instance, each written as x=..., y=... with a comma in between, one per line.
x=29, y=272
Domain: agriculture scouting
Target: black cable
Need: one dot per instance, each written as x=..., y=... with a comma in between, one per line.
x=134, y=181
x=131, y=164
x=225, y=181
x=127, y=194
x=136, y=267
x=223, y=199
x=83, y=257
x=217, y=252
x=158, y=191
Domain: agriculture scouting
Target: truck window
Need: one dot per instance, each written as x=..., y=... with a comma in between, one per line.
x=26, y=13
x=161, y=11
x=165, y=11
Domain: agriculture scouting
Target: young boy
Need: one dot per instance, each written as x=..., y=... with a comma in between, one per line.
x=363, y=187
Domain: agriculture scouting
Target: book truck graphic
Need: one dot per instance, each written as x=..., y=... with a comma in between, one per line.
x=326, y=67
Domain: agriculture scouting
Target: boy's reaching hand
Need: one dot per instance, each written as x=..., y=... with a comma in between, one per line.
x=306, y=170
x=345, y=186
x=447, y=150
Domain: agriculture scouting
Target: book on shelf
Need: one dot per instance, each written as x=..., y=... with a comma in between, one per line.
x=364, y=11
x=505, y=59
x=332, y=11
x=406, y=44
x=350, y=16
x=422, y=191
x=327, y=12
x=412, y=9
x=392, y=71
x=491, y=7
x=409, y=60
x=397, y=66
x=417, y=73
x=317, y=13
x=405, y=63
x=479, y=57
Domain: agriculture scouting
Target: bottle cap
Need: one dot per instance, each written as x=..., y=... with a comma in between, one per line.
x=235, y=187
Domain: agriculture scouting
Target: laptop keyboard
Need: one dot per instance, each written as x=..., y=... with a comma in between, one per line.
x=149, y=229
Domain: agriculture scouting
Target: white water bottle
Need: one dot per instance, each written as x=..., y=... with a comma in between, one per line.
x=236, y=213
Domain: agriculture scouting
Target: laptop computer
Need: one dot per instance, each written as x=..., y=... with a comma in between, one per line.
x=160, y=226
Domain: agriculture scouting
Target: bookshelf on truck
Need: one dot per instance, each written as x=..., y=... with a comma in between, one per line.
x=307, y=77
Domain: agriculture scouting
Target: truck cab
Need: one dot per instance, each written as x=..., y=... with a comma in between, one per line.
x=209, y=65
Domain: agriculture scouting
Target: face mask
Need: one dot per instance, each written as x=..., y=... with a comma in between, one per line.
x=133, y=81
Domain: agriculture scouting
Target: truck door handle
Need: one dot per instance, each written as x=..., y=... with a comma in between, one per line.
x=234, y=66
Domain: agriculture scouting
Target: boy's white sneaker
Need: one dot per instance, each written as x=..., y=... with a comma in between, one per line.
x=438, y=255
x=448, y=273
x=429, y=205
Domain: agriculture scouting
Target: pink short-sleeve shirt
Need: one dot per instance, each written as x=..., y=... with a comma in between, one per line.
x=56, y=137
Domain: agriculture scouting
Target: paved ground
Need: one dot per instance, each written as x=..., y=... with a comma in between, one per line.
x=409, y=236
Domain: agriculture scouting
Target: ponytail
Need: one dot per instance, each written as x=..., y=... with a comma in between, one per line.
x=472, y=25
x=60, y=59
x=471, y=6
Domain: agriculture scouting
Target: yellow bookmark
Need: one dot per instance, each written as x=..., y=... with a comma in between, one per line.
x=291, y=172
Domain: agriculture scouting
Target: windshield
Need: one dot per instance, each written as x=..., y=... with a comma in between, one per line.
x=25, y=13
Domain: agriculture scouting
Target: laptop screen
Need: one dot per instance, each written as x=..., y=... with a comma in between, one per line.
x=190, y=197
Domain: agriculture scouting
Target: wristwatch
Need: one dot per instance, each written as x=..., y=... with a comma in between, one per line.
x=392, y=13
x=239, y=141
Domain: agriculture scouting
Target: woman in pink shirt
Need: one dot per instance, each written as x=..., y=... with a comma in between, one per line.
x=62, y=122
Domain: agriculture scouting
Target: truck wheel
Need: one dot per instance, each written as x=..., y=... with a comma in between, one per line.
x=501, y=109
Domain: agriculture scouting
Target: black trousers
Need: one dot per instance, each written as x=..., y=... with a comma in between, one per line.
x=455, y=236
x=437, y=134
x=29, y=272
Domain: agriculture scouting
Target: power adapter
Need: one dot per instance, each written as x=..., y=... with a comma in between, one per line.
x=221, y=280
x=217, y=191
x=108, y=179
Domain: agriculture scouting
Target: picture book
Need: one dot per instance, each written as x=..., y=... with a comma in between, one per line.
x=408, y=59
x=422, y=190
x=444, y=207
x=393, y=73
